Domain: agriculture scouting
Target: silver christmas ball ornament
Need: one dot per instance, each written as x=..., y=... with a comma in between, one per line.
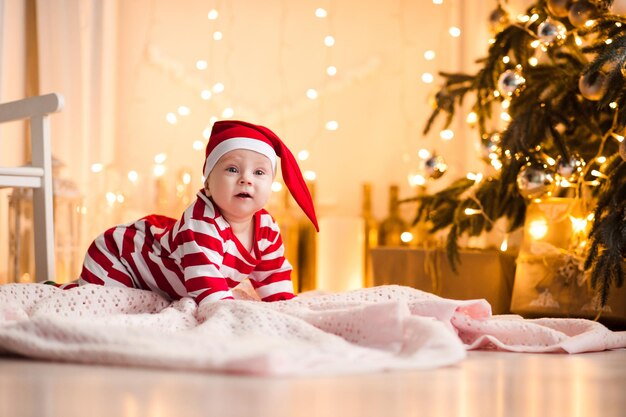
x=595, y=90
x=434, y=167
x=559, y=8
x=581, y=12
x=510, y=82
x=535, y=180
x=569, y=169
x=551, y=31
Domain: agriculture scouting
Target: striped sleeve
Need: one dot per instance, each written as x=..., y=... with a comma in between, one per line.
x=271, y=278
x=200, y=249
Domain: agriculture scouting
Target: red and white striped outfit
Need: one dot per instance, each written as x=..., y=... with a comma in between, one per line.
x=197, y=256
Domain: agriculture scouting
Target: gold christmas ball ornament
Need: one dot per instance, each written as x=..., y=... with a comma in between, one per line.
x=510, y=82
x=559, y=8
x=622, y=149
x=581, y=12
x=593, y=90
x=498, y=19
x=551, y=31
x=569, y=169
x=535, y=180
x=434, y=167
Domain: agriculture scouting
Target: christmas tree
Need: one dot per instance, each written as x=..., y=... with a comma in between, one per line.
x=556, y=77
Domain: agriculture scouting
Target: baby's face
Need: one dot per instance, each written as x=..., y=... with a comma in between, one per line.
x=241, y=183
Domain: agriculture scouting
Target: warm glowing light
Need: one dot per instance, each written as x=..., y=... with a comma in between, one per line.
x=303, y=155
x=406, y=237
x=171, y=118
x=111, y=197
x=533, y=61
x=429, y=55
x=506, y=104
x=437, y=2
x=201, y=64
x=608, y=41
x=446, y=134
x=332, y=125
x=218, y=88
x=159, y=170
x=206, y=133
x=309, y=175
x=198, y=145
x=578, y=41
x=506, y=59
x=228, y=112
x=496, y=164
x=423, y=153
x=619, y=138
x=601, y=159
x=505, y=116
x=98, y=167
x=186, y=178
x=329, y=40
x=213, y=14
x=133, y=176
x=590, y=23
x=160, y=158
x=331, y=70
x=427, y=77
x=505, y=244
x=311, y=93
x=598, y=174
x=320, y=12
x=217, y=35
x=416, y=179
x=538, y=229
x=590, y=217
x=496, y=93
x=523, y=18
x=535, y=43
x=551, y=161
x=454, y=31
x=476, y=177
x=120, y=198
x=613, y=105
x=578, y=225
x=184, y=110
x=534, y=18
x=472, y=118
x=277, y=186
x=205, y=94
x=470, y=211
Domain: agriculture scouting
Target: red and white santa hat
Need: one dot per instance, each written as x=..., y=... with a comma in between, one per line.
x=228, y=135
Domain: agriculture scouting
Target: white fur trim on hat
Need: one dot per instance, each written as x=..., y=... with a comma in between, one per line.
x=231, y=144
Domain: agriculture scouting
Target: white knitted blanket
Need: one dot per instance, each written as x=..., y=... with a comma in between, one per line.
x=375, y=329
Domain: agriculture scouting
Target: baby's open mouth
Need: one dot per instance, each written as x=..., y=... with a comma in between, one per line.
x=244, y=195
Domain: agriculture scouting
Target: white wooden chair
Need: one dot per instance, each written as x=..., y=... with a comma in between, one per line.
x=37, y=175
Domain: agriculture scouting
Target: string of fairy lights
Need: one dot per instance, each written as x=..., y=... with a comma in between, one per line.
x=203, y=81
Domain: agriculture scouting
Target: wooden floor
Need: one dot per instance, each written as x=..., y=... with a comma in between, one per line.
x=485, y=384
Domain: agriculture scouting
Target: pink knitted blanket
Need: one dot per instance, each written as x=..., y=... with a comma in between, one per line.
x=374, y=329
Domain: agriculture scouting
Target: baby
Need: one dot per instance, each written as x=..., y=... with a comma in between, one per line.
x=223, y=237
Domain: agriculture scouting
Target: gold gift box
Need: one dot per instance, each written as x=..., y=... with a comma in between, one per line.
x=484, y=274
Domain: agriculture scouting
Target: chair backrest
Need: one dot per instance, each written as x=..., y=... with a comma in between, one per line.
x=37, y=175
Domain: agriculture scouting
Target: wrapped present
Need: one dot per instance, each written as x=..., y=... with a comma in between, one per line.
x=550, y=280
x=484, y=274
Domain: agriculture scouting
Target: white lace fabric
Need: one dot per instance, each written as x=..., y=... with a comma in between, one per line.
x=367, y=330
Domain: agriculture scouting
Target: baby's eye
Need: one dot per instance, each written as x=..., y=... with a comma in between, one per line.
x=231, y=169
x=259, y=172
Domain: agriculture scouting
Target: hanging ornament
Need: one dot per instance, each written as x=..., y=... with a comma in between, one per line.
x=595, y=90
x=551, y=31
x=559, y=8
x=535, y=180
x=622, y=149
x=581, y=12
x=569, y=169
x=498, y=19
x=510, y=82
x=490, y=146
x=435, y=166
